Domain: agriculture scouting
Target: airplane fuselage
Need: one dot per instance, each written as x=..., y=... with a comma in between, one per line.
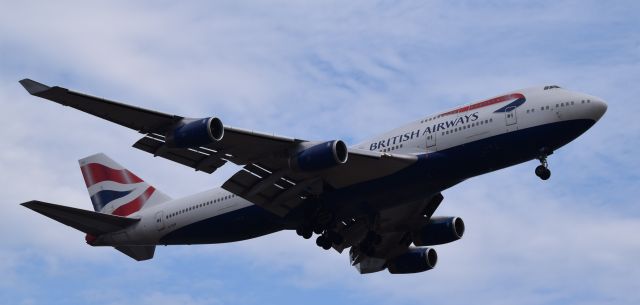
x=450, y=146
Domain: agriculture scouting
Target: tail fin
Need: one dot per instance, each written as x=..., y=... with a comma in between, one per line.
x=114, y=189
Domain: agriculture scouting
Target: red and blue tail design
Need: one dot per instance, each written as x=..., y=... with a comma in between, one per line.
x=114, y=189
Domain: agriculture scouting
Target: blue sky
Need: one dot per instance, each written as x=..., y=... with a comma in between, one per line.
x=323, y=70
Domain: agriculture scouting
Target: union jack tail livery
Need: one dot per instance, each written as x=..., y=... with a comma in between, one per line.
x=114, y=189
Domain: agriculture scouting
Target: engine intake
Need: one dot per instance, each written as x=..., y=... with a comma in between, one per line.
x=413, y=261
x=196, y=132
x=439, y=230
x=321, y=156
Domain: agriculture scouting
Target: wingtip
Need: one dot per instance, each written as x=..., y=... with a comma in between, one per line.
x=33, y=87
x=29, y=204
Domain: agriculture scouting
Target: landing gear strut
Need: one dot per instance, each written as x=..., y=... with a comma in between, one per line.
x=542, y=171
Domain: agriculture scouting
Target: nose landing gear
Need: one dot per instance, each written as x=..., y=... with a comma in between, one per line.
x=542, y=171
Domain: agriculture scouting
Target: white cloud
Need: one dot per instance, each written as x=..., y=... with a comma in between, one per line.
x=329, y=70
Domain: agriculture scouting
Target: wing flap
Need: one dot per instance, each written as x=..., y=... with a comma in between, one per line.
x=89, y=222
x=271, y=190
x=201, y=160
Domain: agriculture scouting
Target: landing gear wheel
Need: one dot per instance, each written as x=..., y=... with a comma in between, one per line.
x=323, y=242
x=307, y=234
x=543, y=172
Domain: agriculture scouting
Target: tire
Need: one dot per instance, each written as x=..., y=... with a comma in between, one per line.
x=306, y=233
x=546, y=174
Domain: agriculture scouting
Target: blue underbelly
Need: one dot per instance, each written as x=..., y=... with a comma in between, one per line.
x=241, y=224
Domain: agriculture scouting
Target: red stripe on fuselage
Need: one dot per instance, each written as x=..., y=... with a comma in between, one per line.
x=95, y=173
x=486, y=103
x=135, y=204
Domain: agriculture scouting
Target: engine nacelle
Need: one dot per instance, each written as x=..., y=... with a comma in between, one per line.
x=439, y=230
x=413, y=261
x=321, y=156
x=196, y=132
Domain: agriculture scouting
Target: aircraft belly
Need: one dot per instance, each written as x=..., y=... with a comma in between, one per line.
x=507, y=149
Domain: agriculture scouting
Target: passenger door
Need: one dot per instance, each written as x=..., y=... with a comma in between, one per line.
x=431, y=141
x=160, y=221
x=511, y=118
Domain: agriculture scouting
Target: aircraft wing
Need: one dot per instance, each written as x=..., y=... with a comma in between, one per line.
x=267, y=178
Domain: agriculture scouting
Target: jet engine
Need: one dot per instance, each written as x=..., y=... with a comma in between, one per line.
x=439, y=230
x=196, y=132
x=413, y=261
x=320, y=156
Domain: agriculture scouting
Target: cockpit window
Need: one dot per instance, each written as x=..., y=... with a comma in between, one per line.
x=551, y=87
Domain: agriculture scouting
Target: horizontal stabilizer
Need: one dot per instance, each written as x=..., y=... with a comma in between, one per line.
x=89, y=222
x=139, y=253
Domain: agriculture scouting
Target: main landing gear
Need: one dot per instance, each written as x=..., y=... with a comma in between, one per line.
x=542, y=171
x=328, y=238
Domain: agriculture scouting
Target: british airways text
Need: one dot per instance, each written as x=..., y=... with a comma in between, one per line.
x=463, y=119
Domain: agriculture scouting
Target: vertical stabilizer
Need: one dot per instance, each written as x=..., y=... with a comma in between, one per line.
x=114, y=189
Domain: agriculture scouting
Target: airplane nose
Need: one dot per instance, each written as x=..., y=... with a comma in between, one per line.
x=598, y=108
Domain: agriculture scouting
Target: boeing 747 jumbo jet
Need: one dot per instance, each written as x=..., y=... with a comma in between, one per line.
x=377, y=197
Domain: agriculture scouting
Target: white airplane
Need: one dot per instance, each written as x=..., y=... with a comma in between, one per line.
x=377, y=197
